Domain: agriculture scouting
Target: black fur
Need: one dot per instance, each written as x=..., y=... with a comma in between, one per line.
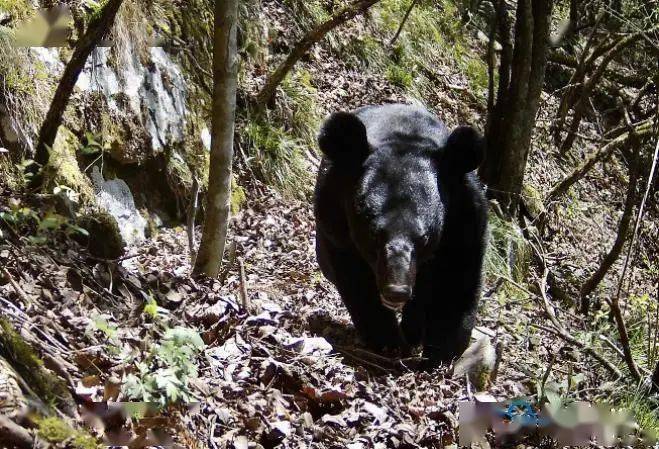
x=401, y=220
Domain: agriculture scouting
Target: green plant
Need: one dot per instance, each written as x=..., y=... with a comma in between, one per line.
x=93, y=144
x=38, y=227
x=154, y=311
x=398, y=76
x=165, y=375
x=278, y=157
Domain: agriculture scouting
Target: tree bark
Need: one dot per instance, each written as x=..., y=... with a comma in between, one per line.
x=98, y=27
x=521, y=77
x=225, y=75
x=621, y=237
x=267, y=93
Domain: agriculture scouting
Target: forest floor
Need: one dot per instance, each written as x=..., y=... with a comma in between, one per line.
x=282, y=364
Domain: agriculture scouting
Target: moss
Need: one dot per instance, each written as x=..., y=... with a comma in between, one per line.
x=55, y=430
x=238, y=196
x=104, y=238
x=179, y=176
x=62, y=167
x=533, y=199
x=26, y=363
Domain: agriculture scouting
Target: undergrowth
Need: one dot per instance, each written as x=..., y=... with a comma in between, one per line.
x=432, y=37
x=280, y=143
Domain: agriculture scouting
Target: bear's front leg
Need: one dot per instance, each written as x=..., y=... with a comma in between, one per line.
x=354, y=280
x=451, y=294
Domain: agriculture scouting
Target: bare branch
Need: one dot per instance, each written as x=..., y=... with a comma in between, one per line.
x=98, y=27
x=303, y=46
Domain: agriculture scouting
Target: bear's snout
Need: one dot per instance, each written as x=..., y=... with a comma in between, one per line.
x=397, y=273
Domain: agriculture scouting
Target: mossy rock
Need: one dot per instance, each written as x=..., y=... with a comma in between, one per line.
x=47, y=386
x=63, y=168
x=104, y=240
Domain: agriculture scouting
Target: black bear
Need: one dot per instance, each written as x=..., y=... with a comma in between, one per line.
x=401, y=226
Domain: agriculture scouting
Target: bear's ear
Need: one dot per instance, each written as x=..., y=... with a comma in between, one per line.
x=343, y=140
x=464, y=150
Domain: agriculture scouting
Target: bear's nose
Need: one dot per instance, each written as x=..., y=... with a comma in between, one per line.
x=395, y=296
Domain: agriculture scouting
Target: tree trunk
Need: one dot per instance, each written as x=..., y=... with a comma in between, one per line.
x=225, y=75
x=621, y=237
x=302, y=47
x=521, y=77
x=98, y=27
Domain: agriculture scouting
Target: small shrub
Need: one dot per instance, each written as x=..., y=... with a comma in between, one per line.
x=165, y=375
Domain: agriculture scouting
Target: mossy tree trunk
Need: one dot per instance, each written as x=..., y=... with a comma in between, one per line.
x=511, y=117
x=98, y=27
x=225, y=74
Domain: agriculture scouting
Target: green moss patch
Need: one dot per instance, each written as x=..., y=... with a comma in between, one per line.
x=62, y=167
x=22, y=358
x=57, y=431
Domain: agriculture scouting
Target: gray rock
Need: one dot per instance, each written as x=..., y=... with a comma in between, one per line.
x=114, y=197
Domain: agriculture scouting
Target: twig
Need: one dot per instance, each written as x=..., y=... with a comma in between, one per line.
x=17, y=288
x=498, y=354
x=621, y=237
x=547, y=373
x=350, y=355
x=244, y=298
x=600, y=155
x=567, y=337
x=192, y=215
x=402, y=23
x=557, y=328
x=305, y=44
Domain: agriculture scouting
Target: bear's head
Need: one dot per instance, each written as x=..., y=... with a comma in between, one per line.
x=399, y=195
